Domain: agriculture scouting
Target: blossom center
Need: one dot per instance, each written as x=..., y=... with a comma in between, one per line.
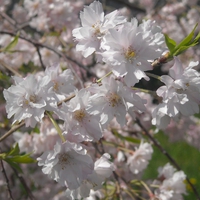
x=130, y=54
x=113, y=99
x=55, y=86
x=79, y=115
x=33, y=98
x=97, y=31
x=63, y=160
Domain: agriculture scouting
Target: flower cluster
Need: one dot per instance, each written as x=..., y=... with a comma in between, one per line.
x=181, y=95
x=171, y=183
x=85, y=114
x=125, y=46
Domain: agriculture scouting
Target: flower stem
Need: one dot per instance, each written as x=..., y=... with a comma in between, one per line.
x=153, y=75
x=56, y=126
x=144, y=90
x=108, y=74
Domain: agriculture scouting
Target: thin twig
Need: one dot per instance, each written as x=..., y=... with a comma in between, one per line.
x=166, y=154
x=35, y=43
x=131, y=6
x=12, y=130
x=23, y=182
x=10, y=68
x=40, y=57
x=7, y=181
x=15, y=128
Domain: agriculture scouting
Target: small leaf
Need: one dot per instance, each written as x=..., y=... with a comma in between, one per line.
x=36, y=130
x=182, y=49
x=22, y=159
x=126, y=138
x=132, y=140
x=14, y=151
x=188, y=39
x=4, y=77
x=197, y=115
x=2, y=156
x=12, y=44
x=197, y=39
x=170, y=43
x=14, y=165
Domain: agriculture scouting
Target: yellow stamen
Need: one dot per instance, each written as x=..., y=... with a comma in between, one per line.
x=130, y=53
x=79, y=115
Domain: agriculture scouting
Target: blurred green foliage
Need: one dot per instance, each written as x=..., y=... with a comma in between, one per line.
x=187, y=156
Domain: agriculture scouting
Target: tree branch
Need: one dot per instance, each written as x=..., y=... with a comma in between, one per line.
x=23, y=182
x=166, y=154
x=12, y=130
x=7, y=180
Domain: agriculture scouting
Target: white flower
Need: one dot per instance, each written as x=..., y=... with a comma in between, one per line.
x=140, y=158
x=171, y=183
x=166, y=172
x=79, y=120
x=160, y=117
x=27, y=100
x=94, y=26
x=111, y=100
x=102, y=170
x=128, y=50
x=181, y=95
x=68, y=164
x=60, y=83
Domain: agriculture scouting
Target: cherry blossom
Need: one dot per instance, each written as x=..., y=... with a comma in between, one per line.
x=68, y=164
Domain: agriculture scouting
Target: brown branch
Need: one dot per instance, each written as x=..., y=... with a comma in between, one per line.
x=162, y=60
x=23, y=182
x=10, y=68
x=38, y=44
x=15, y=128
x=7, y=180
x=40, y=57
x=12, y=130
x=131, y=6
x=163, y=151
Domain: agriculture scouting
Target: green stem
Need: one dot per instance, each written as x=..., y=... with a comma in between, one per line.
x=56, y=126
x=153, y=75
x=144, y=90
x=108, y=74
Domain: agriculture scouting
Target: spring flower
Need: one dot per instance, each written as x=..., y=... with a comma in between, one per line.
x=129, y=50
x=68, y=164
x=95, y=24
x=27, y=100
x=140, y=158
x=171, y=183
x=113, y=99
x=181, y=94
x=61, y=83
x=78, y=118
x=103, y=168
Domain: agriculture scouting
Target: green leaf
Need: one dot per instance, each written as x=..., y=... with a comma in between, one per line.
x=182, y=49
x=186, y=41
x=22, y=159
x=2, y=156
x=14, y=165
x=170, y=43
x=36, y=130
x=4, y=77
x=132, y=140
x=197, y=39
x=12, y=44
x=197, y=115
x=126, y=138
x=14, y=151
